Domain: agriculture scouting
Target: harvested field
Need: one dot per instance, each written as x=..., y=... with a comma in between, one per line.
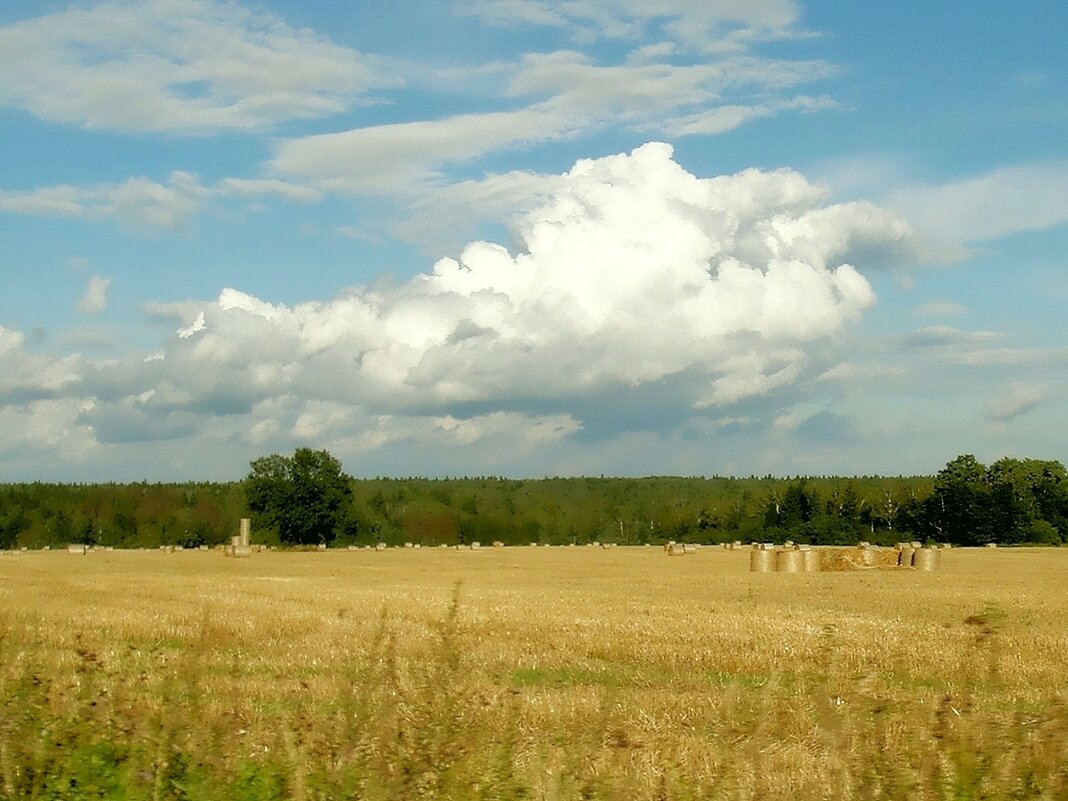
x=536, y=673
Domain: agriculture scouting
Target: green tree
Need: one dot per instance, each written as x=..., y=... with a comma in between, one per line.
x=959, y=509
x=306, y=498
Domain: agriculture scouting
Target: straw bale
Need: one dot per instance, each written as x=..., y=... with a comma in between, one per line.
x=884, y=558
x=236, y=540
x=904, y=558
x=811, y=559
x=926, y=559
x=354, y=547
x=689, y=548
x=991, y=545
x=677, y=549
x=768, y=546
x=788, y=560
x=242, y=551
x=321, y=546
x=475, y=546
x=848, y=559
x=498, y=544
x=380, y=546
x=245, y=531
x=761, y=561
x=76, y=548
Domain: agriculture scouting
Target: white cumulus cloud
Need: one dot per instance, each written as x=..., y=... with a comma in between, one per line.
x=95, y=298
x=634, y=278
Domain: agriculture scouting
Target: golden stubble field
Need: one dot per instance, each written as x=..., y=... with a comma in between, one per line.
x=537, y=673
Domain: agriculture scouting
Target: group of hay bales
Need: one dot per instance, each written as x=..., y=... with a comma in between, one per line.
x=767, y=558
x=914, y=555
x=673, y=548
x=241, y=544
x=82, y=550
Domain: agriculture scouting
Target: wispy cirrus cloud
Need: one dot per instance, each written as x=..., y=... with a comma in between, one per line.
x=567, y=95
x=940, y=308
x=177, y=66
x=1014, y=400
x=699, y=24
x=1004, y=201
x=143, y=203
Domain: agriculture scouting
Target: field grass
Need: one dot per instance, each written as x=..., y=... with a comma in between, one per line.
x=523, y=673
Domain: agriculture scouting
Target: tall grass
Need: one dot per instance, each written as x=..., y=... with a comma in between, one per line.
x=529, y=674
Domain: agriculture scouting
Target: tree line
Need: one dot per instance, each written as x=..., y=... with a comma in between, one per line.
x=307, y=499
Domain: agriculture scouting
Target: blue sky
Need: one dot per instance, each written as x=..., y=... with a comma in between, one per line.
x=531, y=237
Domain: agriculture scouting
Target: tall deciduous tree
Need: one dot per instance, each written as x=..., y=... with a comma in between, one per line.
x=305, y=497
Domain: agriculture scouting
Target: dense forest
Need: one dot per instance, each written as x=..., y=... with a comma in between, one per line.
x=966, y=503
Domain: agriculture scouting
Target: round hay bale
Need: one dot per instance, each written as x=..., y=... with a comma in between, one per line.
x=865, y=556
x=789, y=560
x=811, y=559
x=761, y=561
x=926, y=559
x=904, y=556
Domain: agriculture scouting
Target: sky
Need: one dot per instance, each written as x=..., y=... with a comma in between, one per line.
x=531, y=237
